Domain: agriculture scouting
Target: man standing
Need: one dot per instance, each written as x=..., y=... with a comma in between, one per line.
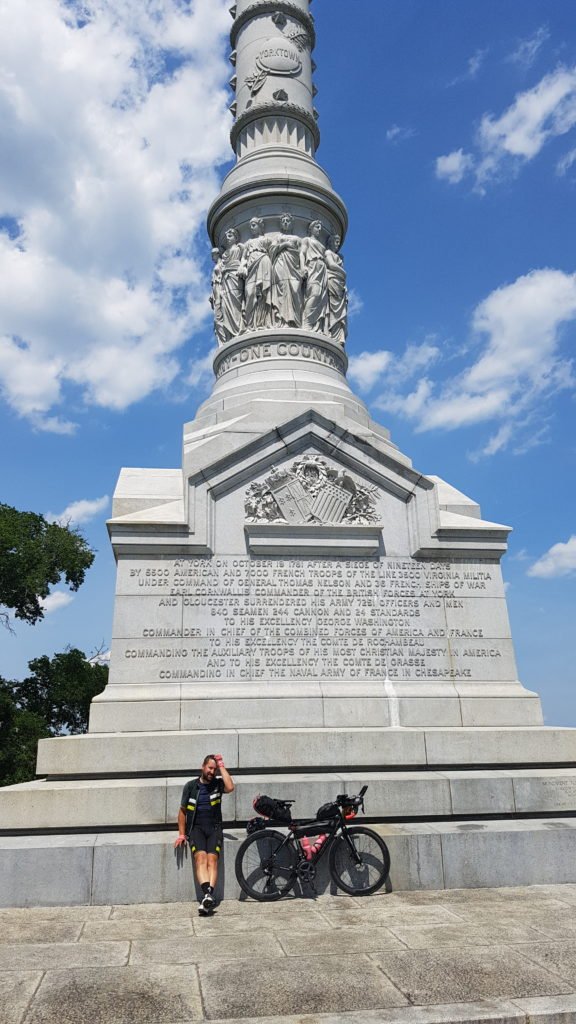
x=200, y=822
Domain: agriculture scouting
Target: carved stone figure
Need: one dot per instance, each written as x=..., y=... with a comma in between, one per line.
x=287, y=273
x=216, y=298
x=257, y=271
x=231, y=296
x=315, y=315
x=337, y=292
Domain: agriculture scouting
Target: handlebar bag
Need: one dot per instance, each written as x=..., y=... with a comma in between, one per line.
x=330, y=810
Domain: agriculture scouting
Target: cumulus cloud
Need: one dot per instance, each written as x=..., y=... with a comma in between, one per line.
x=559, y=560
x=519, y=365
x=502, y=145
x=81, y=511
x=55, y=601
x=527, y=49
x=113, y=124
x=368, y=368
x=454, y=166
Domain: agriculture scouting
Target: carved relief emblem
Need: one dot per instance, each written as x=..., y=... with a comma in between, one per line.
x=312, y=492
x=279, y=57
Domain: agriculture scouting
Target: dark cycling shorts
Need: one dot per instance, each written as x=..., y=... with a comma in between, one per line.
x=206, y=840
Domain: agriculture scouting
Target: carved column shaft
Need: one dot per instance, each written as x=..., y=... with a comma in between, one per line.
x=282, y=277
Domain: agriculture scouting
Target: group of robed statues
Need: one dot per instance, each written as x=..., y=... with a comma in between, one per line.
x=279, y=280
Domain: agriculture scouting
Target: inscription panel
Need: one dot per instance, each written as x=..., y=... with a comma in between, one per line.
x=236, y=618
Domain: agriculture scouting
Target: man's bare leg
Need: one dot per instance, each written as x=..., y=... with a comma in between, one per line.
x=212, y=868
x=206, y=871
x=201, y=867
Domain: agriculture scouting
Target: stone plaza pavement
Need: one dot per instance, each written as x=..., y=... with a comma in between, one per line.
x=414, y=958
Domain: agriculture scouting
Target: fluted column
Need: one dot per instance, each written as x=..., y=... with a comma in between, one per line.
x=275, y=133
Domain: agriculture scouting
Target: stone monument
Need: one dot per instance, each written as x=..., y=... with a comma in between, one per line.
x=296, y=594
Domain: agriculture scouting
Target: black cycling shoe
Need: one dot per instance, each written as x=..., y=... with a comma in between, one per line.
x=207, y=905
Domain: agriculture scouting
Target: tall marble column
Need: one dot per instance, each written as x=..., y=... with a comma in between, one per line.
x=277, y=197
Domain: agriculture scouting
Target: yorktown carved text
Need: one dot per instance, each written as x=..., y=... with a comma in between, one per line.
x=242, y=619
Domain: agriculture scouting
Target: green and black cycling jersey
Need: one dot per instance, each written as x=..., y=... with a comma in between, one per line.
x=202, y=803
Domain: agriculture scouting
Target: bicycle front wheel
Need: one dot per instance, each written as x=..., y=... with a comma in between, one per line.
x=359, y=861
x=266, y=865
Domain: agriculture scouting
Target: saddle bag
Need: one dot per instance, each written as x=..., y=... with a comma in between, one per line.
x=269, y=807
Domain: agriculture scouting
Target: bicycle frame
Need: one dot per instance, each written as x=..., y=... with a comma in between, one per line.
x=298, y=829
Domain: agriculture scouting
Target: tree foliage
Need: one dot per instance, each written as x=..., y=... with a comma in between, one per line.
x=35, y=555
x=53, y=700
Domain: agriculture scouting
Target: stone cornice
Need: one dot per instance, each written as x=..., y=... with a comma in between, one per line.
x=260, y=7
x=278, y=109
x=258, y=191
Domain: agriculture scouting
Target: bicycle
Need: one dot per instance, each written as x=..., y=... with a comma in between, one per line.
x=269, y=863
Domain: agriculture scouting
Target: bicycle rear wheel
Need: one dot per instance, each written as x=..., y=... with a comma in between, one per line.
x=266, y=865
x=359, y=861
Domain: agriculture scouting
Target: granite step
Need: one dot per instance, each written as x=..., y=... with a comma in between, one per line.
x=99, y=804
x=95, y=754
x=143, y=867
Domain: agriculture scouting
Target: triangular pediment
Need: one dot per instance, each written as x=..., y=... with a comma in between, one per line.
x=373, y=458
x=309, y=485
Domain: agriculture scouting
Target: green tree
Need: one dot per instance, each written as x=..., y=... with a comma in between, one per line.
x=35, y=555
x=19, y=734
x=53, y=700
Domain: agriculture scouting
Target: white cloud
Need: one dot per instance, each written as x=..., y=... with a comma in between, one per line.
x=454, y=166
x=368, y=367
x=566, y=162
x=80, y=511
x=355, y=302
x=503, y=144
x=55, y=601
x=100, y=658
x=559, y=560
x=200, y=371
x=473, y=66
x=113, y=123
x=528, y=49
x=475, y=62
x=396, y=133
x=520, y=556
x=519, y=366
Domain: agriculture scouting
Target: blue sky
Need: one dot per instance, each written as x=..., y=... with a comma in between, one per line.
x=450, y=131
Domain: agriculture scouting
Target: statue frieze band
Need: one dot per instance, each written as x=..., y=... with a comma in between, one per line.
x=278, y=279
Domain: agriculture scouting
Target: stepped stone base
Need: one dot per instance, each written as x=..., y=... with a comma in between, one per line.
x=140, y=803
x=322, y=706
x=144, y=868
x=275, y=749
x=459, y=807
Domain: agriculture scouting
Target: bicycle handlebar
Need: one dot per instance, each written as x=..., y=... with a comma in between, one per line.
x=343, y=800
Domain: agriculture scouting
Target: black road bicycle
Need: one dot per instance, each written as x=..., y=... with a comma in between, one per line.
x=269, y=862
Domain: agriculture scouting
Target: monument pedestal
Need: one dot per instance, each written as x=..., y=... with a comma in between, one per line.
x=301, y=599
x=306, y=575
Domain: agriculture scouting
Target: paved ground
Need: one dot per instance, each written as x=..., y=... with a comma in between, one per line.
x=476, y=955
